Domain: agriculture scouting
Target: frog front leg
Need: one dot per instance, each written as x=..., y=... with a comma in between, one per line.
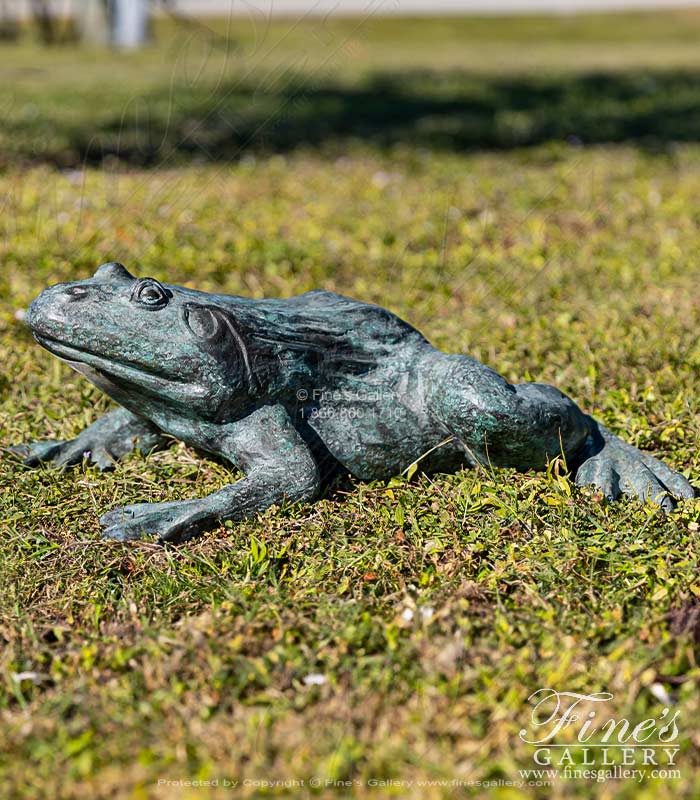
x=113, y=436
x=265, y=445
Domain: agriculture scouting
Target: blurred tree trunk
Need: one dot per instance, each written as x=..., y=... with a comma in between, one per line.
x=44, y=20
x=94, y=21
x=9, y=28
x=130, y=23
x=122, y=23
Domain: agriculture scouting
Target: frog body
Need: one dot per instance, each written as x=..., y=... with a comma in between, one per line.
x=292, y=391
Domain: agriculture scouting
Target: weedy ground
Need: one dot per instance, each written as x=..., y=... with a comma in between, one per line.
x=527, y=191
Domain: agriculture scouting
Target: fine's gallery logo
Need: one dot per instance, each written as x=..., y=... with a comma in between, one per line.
x=575, y=736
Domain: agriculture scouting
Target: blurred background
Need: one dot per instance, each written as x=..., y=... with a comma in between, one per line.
x=111, y=108
x=137, y=81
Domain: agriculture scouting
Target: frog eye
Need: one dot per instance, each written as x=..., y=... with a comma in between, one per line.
x=151, y=294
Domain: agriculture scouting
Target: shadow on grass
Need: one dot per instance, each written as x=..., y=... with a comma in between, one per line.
x=452, y=110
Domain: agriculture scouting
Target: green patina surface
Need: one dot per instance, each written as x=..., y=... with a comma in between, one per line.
x=294, y=392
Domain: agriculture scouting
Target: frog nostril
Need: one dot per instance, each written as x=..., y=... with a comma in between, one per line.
x=76, y=292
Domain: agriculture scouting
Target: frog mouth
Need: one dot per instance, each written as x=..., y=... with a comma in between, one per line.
x=112, y=374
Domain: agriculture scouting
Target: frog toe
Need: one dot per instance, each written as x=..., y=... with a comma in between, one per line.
x=117, y=516
x=36, y=453
x=676, y=483
x=638, y=481
x=600, y=473
x=103, y=460
x=140, y=521
x=124, y=533
x=123, y=525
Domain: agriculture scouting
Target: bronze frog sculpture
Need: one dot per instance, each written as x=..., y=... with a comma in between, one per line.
x=294, y=391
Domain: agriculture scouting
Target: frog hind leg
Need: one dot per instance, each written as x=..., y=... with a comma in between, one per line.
x=526, y=425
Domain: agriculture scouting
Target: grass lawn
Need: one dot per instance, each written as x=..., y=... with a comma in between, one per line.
x=526, y=191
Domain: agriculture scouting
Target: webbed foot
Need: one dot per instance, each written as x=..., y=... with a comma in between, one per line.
x=619, y=468
x=62, y=454
x=167, y=522
x=114, y=435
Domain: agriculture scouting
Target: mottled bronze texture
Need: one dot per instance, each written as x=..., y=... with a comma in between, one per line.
x=295, y=391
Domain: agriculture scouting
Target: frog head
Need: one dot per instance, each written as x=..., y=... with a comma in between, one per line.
x=148, y=345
